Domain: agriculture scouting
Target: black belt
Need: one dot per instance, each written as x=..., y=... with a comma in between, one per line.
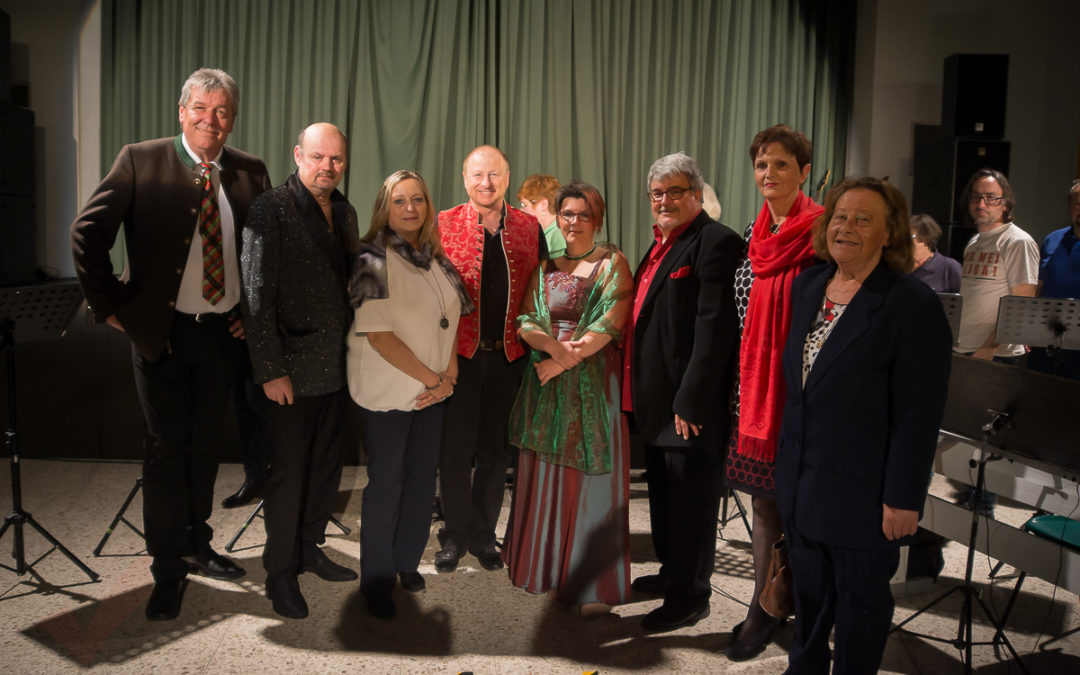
x=490, y=345
x=208, y=317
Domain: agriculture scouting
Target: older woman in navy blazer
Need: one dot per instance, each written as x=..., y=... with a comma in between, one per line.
x=866, y=365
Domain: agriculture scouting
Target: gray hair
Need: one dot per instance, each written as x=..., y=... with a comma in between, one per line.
x=211, y=79
x=1074, y=188
x=676, y=163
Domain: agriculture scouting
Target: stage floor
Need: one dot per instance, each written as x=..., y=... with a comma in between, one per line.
x=469, y=620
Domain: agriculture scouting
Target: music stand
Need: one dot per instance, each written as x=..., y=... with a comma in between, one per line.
x=953, y=304
x=1053, y=323
x=30, y=314
x=984, y=399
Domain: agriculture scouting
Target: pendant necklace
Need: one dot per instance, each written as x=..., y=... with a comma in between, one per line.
x=436, y=290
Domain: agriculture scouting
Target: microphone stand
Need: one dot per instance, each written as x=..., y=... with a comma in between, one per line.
x=964, y=640
x=18, y=518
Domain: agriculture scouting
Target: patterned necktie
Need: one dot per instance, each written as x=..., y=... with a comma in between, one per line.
x=213, y=286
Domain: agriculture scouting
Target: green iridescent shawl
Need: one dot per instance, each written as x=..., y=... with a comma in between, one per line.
x=568, y=420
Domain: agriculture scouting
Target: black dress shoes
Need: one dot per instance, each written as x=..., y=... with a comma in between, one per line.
x=251, y=490
x=214, y=565
x=165, y=599
x=446, y=560
x=412, y=581
x=676, y=615
x=284, y=594
x=489, y=557
x=653, y=584
x=325, y=568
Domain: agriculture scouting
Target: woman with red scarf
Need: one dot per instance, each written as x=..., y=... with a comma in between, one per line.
x=779, y=247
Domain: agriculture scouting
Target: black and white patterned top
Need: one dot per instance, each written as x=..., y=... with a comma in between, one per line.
x=744, y=279
x=827, y=317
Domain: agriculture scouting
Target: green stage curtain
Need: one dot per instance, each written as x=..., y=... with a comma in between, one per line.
x=592, y=89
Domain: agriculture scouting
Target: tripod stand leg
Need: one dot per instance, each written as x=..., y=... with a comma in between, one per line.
x=966, y=628
x=119, y=516
x=341, y=526
x=999, y=634
x=1008, y=608
x=924, y=610
x=742, y=513
x=60, y=547
x=19, y=550
x=243, y=528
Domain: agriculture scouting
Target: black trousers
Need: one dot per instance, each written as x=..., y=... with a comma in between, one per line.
x=305, y=443
x=684, y=501
x=474, y=433
x=842, y=586
x=183, y=397
x=403, y=454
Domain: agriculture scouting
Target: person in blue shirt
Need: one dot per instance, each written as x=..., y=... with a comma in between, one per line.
x=1059, y=277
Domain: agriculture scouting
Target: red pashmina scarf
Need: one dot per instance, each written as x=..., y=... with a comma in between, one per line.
x=776, y=260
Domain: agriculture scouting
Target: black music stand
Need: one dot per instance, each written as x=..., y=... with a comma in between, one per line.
x=257, y=512
x=1053, y=323
x=1018, y=411
x=31, y=313
x=953, y=304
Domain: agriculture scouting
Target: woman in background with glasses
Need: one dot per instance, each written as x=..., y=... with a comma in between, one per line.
x=569, y=518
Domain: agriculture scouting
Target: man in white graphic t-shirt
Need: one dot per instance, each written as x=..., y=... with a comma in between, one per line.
x=1001, y=259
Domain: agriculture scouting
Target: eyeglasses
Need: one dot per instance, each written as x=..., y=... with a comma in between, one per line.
x=674, y=193
x=526, y=204
x=991, y=200
x=570, y=217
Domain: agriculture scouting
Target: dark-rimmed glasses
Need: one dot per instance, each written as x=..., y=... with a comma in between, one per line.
x=991, y=200
x=674, y=193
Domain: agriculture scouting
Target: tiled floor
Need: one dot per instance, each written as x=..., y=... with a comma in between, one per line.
x=470, y=620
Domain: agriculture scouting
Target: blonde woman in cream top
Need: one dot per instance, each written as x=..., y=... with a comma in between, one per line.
x=402, y=366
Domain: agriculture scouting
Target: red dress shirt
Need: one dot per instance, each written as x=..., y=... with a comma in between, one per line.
x=641, y=289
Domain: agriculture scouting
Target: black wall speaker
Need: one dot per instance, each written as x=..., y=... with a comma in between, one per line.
x=18, y=258
x=5, y=57
x=942, y=167
x=17, y=150
x=18, y=241
x=973, y=97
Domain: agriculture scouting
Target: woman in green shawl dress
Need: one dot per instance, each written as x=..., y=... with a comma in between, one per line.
x=569, y=517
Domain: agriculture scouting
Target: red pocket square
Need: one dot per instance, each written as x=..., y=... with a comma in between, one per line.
x=681, y=272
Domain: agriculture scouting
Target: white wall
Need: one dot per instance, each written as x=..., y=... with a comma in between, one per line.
x=62, y=41
x=912, y=38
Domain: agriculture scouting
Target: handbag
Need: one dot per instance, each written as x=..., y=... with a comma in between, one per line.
x=777, y=598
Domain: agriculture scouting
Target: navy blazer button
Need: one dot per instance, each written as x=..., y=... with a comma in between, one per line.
x=172, y=303
x=187, y=241
x=179, y=270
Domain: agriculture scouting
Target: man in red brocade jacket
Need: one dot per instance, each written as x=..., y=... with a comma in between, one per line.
x=495, y=248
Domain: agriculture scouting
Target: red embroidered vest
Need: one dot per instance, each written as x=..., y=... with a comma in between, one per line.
x=462, y=237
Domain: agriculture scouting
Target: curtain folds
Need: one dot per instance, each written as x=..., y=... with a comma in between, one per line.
x=594, y=89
